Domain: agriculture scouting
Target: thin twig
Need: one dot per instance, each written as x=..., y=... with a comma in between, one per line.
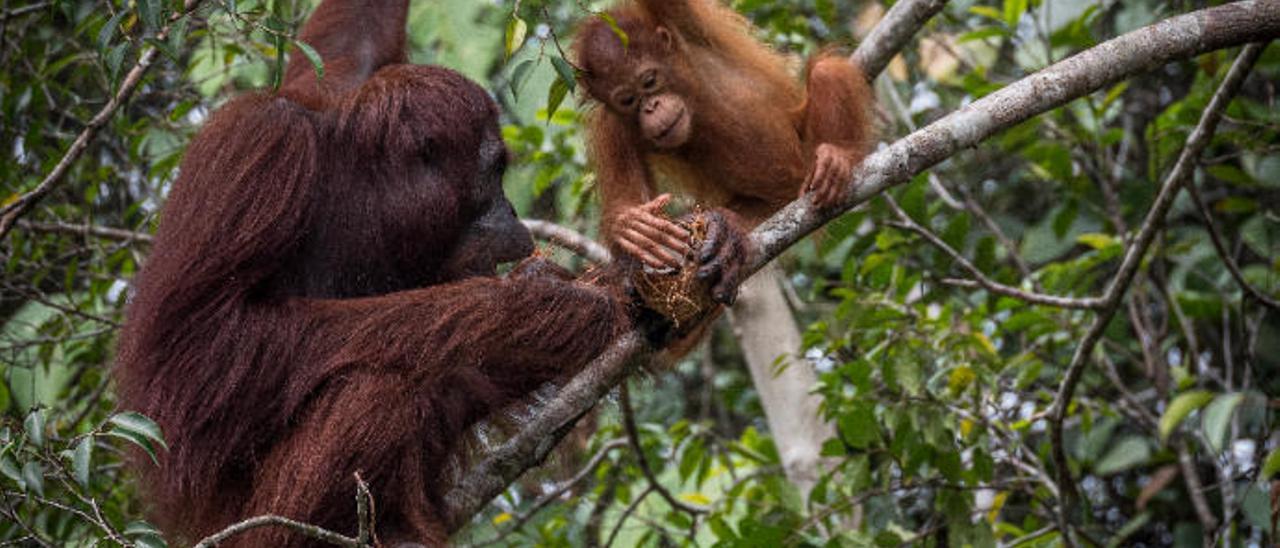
x=1181, y=171
x=1215, y=236
x=905, y=222
x=622, y=519
x=310, y=531
x=633, y=435
x=10, y=213
x=548, y=498
x=106, y=233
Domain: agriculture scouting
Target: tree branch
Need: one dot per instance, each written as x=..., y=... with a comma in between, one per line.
x=10, y=213
x=569, y=239
x=1181, y=171
x=311, y=531
x=1215, y=236
x=633, y=436
x=1141, y=50
x=892, y=33
x=980, y=279
x=106, y=233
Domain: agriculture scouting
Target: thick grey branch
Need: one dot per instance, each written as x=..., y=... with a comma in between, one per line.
x=1139, y=51
x=535, y=440
x=893, y=32
x=1105, y=64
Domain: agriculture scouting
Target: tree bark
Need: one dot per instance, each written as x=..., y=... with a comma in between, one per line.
x=770, y=340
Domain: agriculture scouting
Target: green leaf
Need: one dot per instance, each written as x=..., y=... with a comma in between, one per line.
x=982, y=34
x=1217, y=419
x=138, y=440
x=617, y=30
x=913, y=200
x=115, y=60
x=34, y=425
x=1097, y=241
x=1271, y=465
x=566, y=72
x=80, y=460
x=139, y=424
x=858, y=426
x=555, y=96
x=988, y=12
x=33, y=477
x=9, y=468
x=108, y=32
x=518, y=77
x=1178, y=410
x=1013, y=10
x=317, y=64
x=1130, y=452
x=517, y=30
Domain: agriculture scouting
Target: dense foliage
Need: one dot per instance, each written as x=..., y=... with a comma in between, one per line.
x=939, y=387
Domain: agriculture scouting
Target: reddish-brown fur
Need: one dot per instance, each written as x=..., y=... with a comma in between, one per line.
x=300, y=318
x=757, y=139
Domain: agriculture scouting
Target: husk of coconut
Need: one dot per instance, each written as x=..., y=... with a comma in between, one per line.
x=679, y=294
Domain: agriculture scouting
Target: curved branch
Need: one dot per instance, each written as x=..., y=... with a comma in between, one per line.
x=1173, y=183
x=10, y=213
x=311, y=531
x=569, y=239
x=892, y=33
x=1141, y=50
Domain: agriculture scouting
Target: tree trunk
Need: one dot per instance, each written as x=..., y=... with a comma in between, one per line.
x=766, y=329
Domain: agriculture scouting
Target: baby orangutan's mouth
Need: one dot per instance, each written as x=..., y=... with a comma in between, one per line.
x=662, y=138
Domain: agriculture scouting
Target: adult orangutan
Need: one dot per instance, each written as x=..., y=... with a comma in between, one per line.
x=692, y=96
x=320, y=300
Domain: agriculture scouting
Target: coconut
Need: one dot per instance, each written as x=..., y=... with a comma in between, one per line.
x=679, y=294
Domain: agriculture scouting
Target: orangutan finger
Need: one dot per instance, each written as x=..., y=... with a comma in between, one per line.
x=662, y=224
x=643, y=254
x=656, y=204
x=715, y=233
x=651, y=230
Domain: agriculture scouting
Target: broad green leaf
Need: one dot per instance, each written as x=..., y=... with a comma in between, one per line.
x=858, y=426
x=982, y=34
x=1216, y=419
x=1130, y=452
x=988, y=12
x=34, y=426
x=555, y=96
x=1097, y=241
x=317, y=64
x=1271, y=465
x=108, y=32
x=33, y=477
x=517, y=30
x=1178, y=410
x=136, y=439
x=81, y=459
x=518, y=77
x=10, y=468
x=1013, y=10
x=139, y=424
x=566, y=72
